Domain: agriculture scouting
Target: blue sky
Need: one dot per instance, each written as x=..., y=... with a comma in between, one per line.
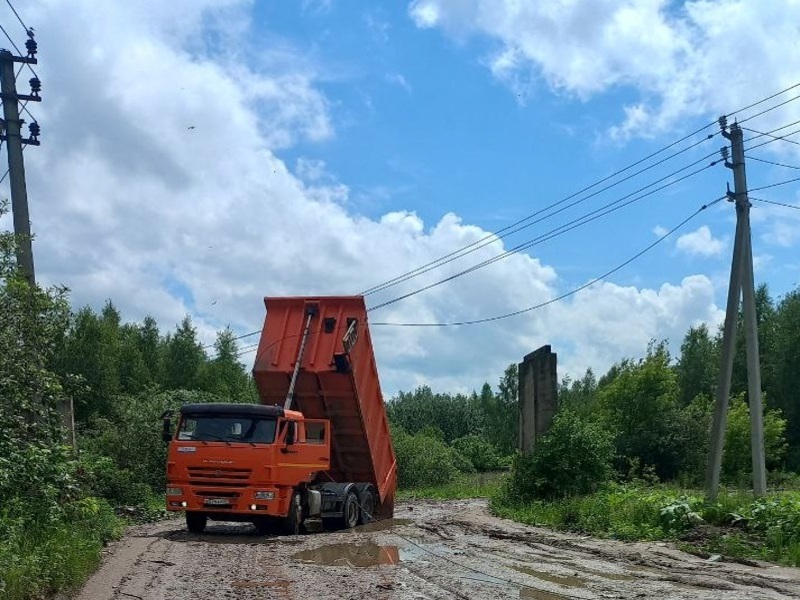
x=426, y=128
x=337, y=144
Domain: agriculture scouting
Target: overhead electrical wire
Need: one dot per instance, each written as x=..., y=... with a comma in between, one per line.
x=771, y=162
x=772, y=185
x=775, y=138
x=566, y=294
x=505, y=231
x=19, y=52
x=594, y=215
x=770, y=109
x=490, y=238
x=16, y=14
x=776, y=203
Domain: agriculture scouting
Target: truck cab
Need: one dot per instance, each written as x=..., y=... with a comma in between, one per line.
x=245, y=462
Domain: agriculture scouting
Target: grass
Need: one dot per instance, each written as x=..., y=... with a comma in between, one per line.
x=480, y=485
x=41, y=554
x=736, y=525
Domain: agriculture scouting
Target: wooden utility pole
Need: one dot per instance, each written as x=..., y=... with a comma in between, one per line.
x=12, y=136
x=741, y=283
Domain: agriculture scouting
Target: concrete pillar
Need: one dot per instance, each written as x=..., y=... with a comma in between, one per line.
x=538, y=396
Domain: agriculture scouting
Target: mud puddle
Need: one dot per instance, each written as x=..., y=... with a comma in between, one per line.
x=565, y=580
x=368, y=554
x=380, y=525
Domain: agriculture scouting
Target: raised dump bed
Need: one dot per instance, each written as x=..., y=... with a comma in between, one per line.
x=337, y=380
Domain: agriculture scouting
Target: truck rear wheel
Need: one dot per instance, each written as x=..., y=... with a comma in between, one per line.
x=291, y=524
x=351, y=512
x=196, y=522
x=367, y=505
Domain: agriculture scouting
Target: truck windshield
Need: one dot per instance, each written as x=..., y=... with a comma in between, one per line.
x=227, y=428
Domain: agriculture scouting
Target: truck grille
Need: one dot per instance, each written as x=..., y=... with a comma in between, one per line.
x=219, y=477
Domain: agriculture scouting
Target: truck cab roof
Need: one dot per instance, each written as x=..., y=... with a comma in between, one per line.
x=217, y=408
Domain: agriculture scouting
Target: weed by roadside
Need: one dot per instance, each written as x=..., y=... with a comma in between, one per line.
x=478, y=485
x=736, y=525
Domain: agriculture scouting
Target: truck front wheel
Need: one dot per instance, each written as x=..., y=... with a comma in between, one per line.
x=290, y=525
x=196, y=522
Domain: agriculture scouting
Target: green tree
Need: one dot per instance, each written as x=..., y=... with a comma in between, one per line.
x=766, y=317
x=501, y=411
x=579, y=395
x=736, y=460
x=640, y=407
x=698, y=365
x=33, y=463
x=183, y=357
x=454, y=416
x=134, y=376
x=785, y=393
x=151, y=348
x=224, y=375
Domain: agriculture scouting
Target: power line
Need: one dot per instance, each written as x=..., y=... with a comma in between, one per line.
x=775, y=95
x=772, y=185
x=567, y=294
x=16, y=14
x=238, y=337
x=3, y=29
x=594, y=215
x=765, y=111
x=775, y=138
x=792, y=206
x=492, y=237
x=770, y=162
x=19, y=52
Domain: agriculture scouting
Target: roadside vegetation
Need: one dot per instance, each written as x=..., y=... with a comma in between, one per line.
x=623, y=459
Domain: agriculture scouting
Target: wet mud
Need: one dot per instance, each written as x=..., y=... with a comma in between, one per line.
x=431, y=550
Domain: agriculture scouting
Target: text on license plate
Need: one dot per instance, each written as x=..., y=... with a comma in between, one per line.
x=216, y=502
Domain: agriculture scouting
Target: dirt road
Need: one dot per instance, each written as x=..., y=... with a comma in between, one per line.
x=430, y=550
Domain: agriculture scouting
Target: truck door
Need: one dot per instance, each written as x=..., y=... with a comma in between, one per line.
x=304, y=449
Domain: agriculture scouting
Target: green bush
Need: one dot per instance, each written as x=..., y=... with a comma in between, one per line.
x=737, y=461
x=423, y=461
x=573, y=458
x=42, y=555
x=479, y=452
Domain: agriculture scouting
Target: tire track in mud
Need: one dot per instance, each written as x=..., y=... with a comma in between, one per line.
x=432, y=551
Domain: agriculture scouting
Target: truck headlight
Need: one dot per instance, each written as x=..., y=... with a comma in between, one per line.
x=265, y=495
x=174, y=491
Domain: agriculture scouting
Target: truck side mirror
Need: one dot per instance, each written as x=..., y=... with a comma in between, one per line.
x=166, y=434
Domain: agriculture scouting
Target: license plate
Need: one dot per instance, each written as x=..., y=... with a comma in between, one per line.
x=216, y=502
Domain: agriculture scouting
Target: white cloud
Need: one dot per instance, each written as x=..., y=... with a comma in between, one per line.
x=128, y=203
x=425, y=14
x=678, y=56
x=777, y=225
x=316, y=7
x=398, y=80
x=660, y=231
x=700, y=243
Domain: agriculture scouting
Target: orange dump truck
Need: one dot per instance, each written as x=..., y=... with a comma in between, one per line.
x=318, y=447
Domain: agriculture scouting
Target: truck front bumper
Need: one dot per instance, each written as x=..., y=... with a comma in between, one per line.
x=217, y=502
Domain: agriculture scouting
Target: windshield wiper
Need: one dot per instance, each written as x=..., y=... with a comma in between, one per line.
x=214, y=437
